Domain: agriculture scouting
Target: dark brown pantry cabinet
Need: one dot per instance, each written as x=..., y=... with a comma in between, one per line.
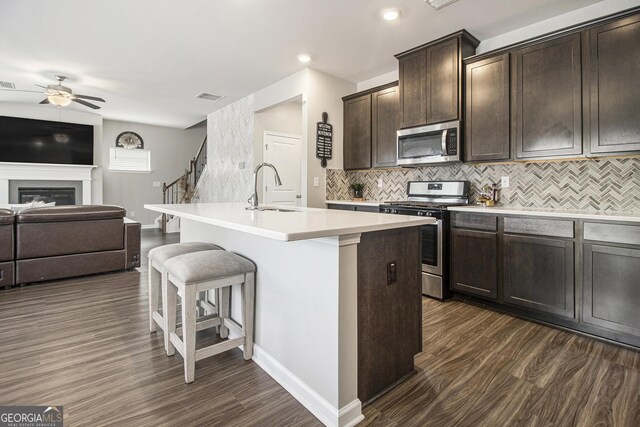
x=487, y=109
x=547, y=99
x=371, y=120
x=611, y=75
x=431, y=78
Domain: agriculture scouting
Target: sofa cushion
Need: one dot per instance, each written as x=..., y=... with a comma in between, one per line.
x=7, y=216
x=70, y=213
x=6, y=242
x=45, y=239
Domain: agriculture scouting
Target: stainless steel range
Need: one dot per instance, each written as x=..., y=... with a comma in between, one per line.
x=431, y=198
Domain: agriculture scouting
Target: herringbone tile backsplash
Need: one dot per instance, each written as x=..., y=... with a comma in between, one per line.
x=606, y=184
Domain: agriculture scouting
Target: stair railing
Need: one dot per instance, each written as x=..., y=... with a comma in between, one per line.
x=172, y=192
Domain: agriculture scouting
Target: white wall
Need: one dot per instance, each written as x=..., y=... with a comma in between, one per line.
x=380, y=80
x=324, y=94
x=556, y=23
x=594, y=11
x=171, y=151
x=232, y=135
x=49, y=112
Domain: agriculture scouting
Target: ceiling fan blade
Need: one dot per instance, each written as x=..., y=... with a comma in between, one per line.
x=85, y=103
x=92, y=98
x=45, y=101
x=43, y=87
x=21, y=90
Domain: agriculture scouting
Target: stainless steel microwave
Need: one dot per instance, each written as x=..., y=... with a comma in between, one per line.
x=438, y=143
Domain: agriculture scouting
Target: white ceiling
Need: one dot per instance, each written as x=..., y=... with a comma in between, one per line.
x=149, y=58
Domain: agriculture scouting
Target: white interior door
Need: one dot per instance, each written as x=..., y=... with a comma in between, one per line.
x=283, y=151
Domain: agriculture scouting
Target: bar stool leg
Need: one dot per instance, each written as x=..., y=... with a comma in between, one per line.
x=189, y=332
x=170, y=300
x=224, y=310
x=248, y=289
x=154, y=282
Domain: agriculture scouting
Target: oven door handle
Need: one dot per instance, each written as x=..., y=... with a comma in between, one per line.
x=444, y=142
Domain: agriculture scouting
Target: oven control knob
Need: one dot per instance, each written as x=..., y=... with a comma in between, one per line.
x=387, y=211
x=429, y=213
x=394, y=211
x=420, y=213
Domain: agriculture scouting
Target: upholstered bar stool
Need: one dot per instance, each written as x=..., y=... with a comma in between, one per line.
x=189, y=274
x=157, y=257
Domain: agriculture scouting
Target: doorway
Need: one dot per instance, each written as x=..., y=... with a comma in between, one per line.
x=283, y=151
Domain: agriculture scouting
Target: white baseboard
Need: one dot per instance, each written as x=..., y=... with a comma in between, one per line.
x=329, y=415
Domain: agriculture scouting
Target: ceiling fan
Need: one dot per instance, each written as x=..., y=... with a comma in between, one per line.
x=61, y=96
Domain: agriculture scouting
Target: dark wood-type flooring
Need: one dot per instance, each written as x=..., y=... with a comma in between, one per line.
x=84, y=343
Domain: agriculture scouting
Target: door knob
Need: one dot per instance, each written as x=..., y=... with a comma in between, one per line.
x=298, y=196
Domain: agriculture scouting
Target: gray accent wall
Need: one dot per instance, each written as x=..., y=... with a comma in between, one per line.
x=604, y=184
x=171, y=151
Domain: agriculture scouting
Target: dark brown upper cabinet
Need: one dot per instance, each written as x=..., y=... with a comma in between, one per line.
x=547, y=99
x=385, y=123
x=357, y=133
x=487, y=110
x=612, y=67
x=430, y=80
x=371, y=120
x=413, y=89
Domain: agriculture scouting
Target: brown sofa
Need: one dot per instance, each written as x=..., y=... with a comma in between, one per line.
x=7, y=265
x=68, y=241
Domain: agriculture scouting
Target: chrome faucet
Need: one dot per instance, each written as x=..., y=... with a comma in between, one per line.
x=253, y=199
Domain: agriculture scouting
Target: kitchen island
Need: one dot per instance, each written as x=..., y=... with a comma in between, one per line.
x=338, y=306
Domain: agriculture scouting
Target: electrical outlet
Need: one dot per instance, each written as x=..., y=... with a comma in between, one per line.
x=392, y=273
x=379, y=182
x=316, y=181
x=504, y=182
x=241, y=165
x=132, y=214
x=156, y=183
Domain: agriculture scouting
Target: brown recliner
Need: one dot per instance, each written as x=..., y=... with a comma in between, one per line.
x=67, y=241
x=7, y=265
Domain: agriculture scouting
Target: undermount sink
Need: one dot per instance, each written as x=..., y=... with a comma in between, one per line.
x=272, y=209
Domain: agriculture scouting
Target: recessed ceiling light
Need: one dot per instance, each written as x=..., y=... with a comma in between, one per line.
x=390, y=14
x=304, y=58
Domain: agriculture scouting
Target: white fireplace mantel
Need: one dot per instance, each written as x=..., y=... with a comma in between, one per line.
x=45, y=172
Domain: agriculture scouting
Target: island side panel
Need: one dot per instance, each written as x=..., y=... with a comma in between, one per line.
x=389, y=314
x=297, y=312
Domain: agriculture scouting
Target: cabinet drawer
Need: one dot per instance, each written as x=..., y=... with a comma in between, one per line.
x=474, y=221
x=539, y=227
x=612, y=233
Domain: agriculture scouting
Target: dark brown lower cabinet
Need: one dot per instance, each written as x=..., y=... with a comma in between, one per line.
x=474, y=262
x=389, y=312
x=539, y=273
x=611, y=287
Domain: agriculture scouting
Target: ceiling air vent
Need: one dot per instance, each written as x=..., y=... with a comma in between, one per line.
x=209, y=96
x=439, y=4
x=7, y=85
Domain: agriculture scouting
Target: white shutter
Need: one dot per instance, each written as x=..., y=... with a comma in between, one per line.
x=122, y=159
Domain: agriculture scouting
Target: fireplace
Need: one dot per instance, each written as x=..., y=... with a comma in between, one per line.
x=40, y=175
x=57, y=195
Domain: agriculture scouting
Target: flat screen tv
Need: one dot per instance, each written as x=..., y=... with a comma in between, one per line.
x=41, y=141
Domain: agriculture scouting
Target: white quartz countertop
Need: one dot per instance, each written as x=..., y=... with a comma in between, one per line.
x=304, y=223
x=558, y=213
x=355, y=202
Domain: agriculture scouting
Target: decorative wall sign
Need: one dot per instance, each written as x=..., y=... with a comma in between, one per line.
x=129, y=140
x=324, y=140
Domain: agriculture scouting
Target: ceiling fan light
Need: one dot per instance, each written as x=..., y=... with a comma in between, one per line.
x=59, y=100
